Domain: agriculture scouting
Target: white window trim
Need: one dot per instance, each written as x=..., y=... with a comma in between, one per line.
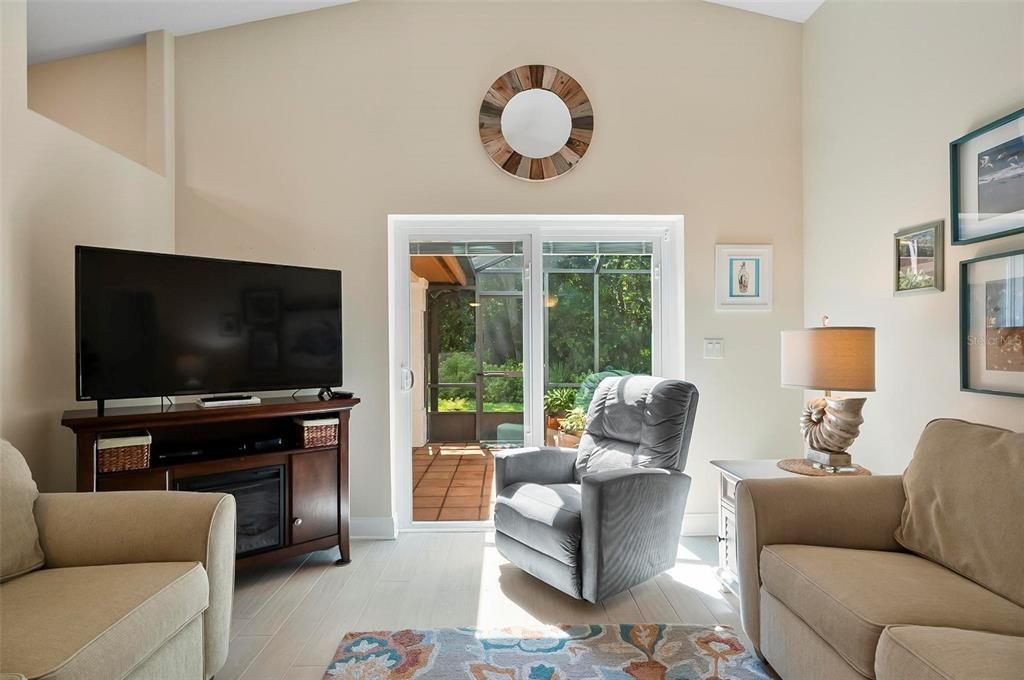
x=665, y=231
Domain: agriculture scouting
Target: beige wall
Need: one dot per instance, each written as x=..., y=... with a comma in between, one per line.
x=298, y=136
x=886, y=87
x=101, y=96
x=58, y=189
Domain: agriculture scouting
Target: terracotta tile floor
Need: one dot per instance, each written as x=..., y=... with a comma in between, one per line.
x=452, y=481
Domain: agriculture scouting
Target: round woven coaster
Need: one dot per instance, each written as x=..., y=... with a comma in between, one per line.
x=802, y=466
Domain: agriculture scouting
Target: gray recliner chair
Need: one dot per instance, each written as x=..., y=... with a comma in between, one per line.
x=595, y=521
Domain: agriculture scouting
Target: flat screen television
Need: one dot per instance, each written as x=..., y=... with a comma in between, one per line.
x=151, y=324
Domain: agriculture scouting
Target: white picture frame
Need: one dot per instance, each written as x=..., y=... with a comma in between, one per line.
x=743, y=278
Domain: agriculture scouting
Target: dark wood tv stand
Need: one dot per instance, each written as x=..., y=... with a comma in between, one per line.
x=316, y=487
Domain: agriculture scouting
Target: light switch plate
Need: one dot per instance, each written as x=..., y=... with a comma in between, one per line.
x=714, y=348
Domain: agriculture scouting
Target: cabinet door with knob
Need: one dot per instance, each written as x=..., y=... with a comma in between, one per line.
x=314, y=487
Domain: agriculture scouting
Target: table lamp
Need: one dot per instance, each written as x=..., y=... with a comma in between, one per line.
x=830, y=358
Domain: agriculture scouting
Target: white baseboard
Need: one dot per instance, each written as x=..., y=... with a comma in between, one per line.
x=372, y=527
x=700, y=524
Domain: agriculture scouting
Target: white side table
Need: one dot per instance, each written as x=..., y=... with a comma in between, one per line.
x=730, y=473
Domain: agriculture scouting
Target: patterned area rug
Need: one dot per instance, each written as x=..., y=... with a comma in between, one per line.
x=583, y=652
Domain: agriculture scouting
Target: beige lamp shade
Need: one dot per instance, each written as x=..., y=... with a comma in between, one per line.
x=829, y=358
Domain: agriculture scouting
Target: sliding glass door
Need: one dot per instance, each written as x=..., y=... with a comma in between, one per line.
x=514, y=335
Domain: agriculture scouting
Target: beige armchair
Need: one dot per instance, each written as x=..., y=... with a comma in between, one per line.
x=828, y=588
x=135, y=584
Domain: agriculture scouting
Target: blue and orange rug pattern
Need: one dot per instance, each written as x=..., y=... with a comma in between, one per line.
x=578, y=652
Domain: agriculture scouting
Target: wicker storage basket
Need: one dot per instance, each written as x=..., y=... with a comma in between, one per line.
x=122, y=451
x=315, y=432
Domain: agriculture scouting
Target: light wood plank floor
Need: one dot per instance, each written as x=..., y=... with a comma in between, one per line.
x=289, y=617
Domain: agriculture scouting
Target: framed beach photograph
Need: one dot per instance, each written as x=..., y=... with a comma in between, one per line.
x=918, y=259
x=987, y=181
x=743, y=277
x=992, y=324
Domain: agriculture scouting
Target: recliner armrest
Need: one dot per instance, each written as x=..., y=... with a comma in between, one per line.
x=127, y=527
x=632, y=519
x=847, y=512
x=536, y=464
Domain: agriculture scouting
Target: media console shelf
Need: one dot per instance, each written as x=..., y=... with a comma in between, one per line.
x=314, y=487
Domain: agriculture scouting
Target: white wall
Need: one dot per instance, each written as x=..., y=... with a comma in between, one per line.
x=299, y=135
x=101, y=96
x=887, y=86
x=58, y=189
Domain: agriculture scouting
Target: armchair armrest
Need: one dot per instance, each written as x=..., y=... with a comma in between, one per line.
x=536, y=464
x=632, y=519
x=125, y=527
x=850, y=512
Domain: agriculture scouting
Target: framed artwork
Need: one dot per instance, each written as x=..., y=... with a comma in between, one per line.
x=992, y=324
x=986, y=170
x=918, y=261
x=743, y=278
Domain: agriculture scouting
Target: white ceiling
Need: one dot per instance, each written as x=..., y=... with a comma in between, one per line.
x=790, y=10
x=65, y=28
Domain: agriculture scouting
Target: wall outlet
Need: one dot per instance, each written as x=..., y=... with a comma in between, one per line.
x=714, y=348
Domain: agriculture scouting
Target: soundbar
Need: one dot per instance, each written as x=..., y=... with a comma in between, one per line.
x=228, y=400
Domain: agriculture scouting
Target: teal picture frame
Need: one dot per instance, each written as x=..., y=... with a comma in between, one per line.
x=756, y=299
x=957, y=238
x=965, y=325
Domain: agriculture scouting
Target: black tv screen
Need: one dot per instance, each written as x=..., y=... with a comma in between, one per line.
x=150, y=324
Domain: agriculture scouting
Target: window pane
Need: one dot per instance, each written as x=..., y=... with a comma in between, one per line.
x=570, y=328
x=625, y=323
x=456, y=323
x=631, y=262
x=581, y=263
x=502, y=319
x=503, y=395
x=498, y=282
x=456, y=399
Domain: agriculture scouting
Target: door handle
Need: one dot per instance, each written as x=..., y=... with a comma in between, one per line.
x=408, y=379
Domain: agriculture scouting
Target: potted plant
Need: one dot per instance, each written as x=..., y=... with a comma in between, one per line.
x=572, y=426
x=557, y=403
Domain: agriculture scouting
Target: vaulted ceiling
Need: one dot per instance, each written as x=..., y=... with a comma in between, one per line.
x=67, y=28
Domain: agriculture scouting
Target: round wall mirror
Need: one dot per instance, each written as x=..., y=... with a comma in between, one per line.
x=536, y=122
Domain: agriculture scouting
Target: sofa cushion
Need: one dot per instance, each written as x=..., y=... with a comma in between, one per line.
x=925, y=653
x=849, y=596
x=96, y=622
x=543, y=517
x=18, y=533
x=964, y=506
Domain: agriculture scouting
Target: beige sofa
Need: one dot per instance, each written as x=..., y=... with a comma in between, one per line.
x=919, y=577
x=104, y=586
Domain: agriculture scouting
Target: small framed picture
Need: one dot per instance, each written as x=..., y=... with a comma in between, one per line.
x=743, y=277
x=992, y=324
x=918, y=259
x=987, y=181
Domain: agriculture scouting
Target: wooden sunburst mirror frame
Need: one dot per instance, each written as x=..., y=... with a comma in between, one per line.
x=565, y=88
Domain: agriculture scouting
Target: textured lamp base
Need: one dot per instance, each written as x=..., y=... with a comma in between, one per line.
x=831, y=459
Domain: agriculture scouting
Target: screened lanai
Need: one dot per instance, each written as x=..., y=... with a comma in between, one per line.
x=596, y=317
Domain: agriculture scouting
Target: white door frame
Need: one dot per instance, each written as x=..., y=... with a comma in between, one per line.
x=665, y=231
